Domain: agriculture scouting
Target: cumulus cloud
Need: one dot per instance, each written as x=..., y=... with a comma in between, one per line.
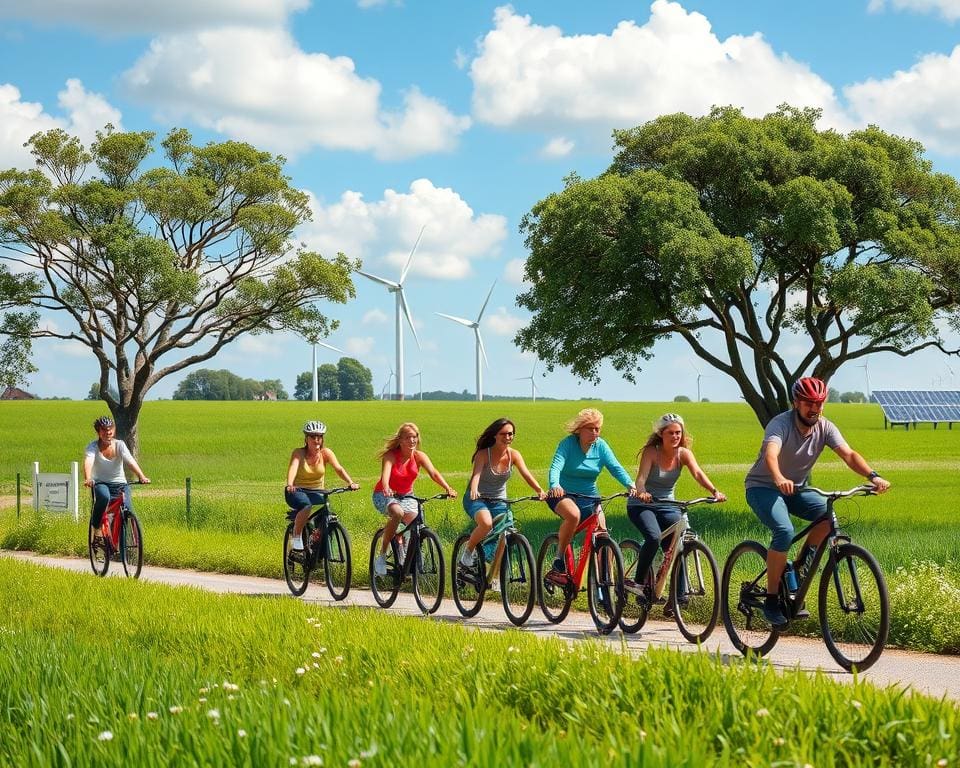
x=536, y=76
x=557, y=147
x=279, y=96
x=383, y=232
x=948, y=9
x=85, y=113
x=502, y=323
x=513, y=272
x=374, y=317
x=922, y=102
x=359, y=346
x=118, y=17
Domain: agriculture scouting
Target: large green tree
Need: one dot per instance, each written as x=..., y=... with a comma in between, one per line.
x=157, y=269
x=737, y=235
x=356, y=380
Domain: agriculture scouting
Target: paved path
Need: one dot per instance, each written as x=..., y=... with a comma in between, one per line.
x=926, y=673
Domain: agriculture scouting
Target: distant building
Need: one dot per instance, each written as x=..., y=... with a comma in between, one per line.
x=267, y=395
x=14, y=393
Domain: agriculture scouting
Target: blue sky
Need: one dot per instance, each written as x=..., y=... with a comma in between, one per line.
x=459, y=116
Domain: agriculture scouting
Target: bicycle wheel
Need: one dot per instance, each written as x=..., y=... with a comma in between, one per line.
x=854, y=608
x=469, y=582
x=555, y=599
x=98, y=548
x=605, y=585
x=337, y=562
x=131, y=545
x=743, y=590
x=635, y=607
x=296, y=563
x=386, y=587
x=693, y=591
x=428, y=572
x=518, y=582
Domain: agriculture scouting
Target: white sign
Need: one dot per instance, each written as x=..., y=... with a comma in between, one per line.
x=56, y=491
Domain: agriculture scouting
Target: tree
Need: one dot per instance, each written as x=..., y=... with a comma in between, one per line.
x=94, y=393
x=731, y=232
x=356, y=380
x=303, y=389
x=157, y=270
x=853, y=397
x=206, y=384
x=275, y=386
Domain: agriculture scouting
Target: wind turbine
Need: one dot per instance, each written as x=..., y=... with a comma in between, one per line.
x=419, y=375
x=401, y=309
x=533, y=384
x=699, y=376
x=866, y=373
x=386, y=387
x=315, y=343
x=480, y=351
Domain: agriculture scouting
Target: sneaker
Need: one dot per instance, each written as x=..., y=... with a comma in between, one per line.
x=296, y=542
x=558, y=577
x=494, y=585
x=380, y=565
x=401, y=551
x=773, y=613
x=632, y=587
x=467, y=557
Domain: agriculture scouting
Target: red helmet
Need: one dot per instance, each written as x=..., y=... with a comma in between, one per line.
x=809, y=388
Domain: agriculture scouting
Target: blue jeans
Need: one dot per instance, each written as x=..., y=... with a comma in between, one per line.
x=774, y=510
x=651, y=520
x=102, y=493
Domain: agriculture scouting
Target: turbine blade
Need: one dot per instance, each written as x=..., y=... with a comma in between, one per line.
x=406, y=312
x=406, y=267
x=381, y=280
x=329, y=346
x=483, y=352
x=489, y=293
x=468, y=323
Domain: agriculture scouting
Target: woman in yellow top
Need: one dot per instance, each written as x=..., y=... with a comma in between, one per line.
x=305, y=474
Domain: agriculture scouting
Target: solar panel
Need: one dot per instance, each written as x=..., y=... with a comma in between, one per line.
x=907, y=406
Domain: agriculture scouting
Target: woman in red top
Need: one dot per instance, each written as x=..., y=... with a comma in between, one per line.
x=400, y=462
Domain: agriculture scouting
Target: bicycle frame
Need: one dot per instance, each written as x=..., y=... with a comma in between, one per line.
x=320, y=518
x=577, y=567
x=500, y=534
x=415, y=527
x=112, y=520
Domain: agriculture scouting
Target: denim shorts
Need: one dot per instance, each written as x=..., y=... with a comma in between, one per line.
x=472, y=506
x=304, y=497
x=587, y=506
x=774, y=510
x=381, y=502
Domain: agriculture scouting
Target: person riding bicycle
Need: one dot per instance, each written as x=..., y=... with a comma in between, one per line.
x=662, y=459
x=792, y=443
x=493, y=463
x=578, y=461
x=400, y=463
x=103, y=464
x=305, y=477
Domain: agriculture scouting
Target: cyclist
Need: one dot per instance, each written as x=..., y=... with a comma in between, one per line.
x=400, y=463
x=493, y=463
x=103, y=464
x=792, y=443
x=305, y=476
x=578, y=461
x=662, y=459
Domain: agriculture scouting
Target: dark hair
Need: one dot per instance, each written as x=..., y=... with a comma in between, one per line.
x=489, y=436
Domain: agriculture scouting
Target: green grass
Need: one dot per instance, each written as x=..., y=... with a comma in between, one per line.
x=149, y=675
x=236, y=456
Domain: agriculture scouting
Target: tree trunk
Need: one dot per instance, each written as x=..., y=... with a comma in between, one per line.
x=126, y=418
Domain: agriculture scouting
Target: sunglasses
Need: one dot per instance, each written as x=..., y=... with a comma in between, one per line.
x=506, y=434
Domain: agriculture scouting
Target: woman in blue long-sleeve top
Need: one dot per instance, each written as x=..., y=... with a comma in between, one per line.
x=579, y=459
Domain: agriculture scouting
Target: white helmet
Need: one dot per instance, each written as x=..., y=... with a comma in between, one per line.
x=314, y=428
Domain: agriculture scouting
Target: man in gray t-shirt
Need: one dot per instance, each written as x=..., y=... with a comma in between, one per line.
x=792, y=443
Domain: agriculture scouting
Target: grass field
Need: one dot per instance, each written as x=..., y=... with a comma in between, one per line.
x=236, y=456
x=149, y=675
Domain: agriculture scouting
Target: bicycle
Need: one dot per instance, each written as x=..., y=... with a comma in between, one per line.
x=120, y=537
x=852, y=602
x=693, y=598
x=324, y=540
x=512, y=560
x=605, y=593
x=422, y=561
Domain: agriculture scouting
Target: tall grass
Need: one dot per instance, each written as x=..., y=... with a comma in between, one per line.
x=154, y=676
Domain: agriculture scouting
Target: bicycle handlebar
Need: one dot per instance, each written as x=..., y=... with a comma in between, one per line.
x=691, y=502
x=866, y=489
x=490, y=499
x=422, y=500
x=596, y=498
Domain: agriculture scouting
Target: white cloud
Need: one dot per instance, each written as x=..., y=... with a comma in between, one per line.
x=375, y=316
x=383, y=232
x=279, y=96
x=557, y=147
x=259, y=346
x=922, y=102
x=460, y=59
x=503, y=323
x=113, y=17
x=513, y=272
x=85, y=113
x=949, y=9
x=358, y=346
x=535, y=76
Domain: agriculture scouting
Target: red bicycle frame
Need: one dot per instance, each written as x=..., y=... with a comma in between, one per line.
x=578, y=568
x=110, y=526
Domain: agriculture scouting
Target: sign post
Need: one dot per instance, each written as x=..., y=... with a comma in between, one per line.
x=57, y=491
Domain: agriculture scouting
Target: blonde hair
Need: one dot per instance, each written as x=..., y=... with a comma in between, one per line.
x=586, y=416
x=656, y=437
x=393, y=442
